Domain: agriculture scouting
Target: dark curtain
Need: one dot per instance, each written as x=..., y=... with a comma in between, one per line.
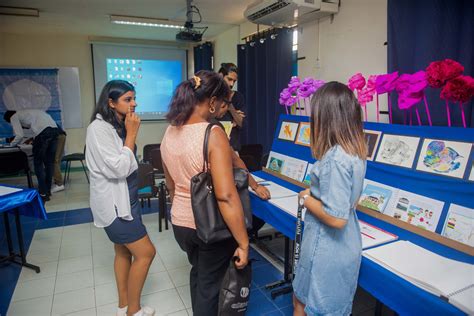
x=422, y=31
x=264, y=70
x=203, y=57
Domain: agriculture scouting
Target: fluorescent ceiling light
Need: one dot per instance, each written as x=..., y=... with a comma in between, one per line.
x=132, y=20
x=19, y=11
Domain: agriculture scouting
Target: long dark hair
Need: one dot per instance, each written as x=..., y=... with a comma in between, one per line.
x=227, y=68
x=336, y=119
x=191, y=92
x=113, y=90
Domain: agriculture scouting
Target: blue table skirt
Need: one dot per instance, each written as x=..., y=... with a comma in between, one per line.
x=28, y=201
x=393, y=291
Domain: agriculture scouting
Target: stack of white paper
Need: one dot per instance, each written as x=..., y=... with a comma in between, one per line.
x=449, y=279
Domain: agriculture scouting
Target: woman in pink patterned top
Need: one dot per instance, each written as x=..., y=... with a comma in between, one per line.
x=194, y=103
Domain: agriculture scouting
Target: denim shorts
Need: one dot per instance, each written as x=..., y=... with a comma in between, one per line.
x=122, y=231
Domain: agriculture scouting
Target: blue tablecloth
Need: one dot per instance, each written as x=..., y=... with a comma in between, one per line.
x=28, y=201
x=393, y=291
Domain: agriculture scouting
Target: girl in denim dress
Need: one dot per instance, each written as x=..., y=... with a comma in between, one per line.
x=328, y=269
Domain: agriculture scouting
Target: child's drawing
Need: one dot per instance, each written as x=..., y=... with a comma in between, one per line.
x=398, y=150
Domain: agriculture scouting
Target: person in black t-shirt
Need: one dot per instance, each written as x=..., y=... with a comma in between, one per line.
x=236, y=112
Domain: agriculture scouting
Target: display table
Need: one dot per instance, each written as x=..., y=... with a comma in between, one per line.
x=26, y=202
x=393, y=291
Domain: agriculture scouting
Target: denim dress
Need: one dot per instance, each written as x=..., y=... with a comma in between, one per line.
x=328, y=269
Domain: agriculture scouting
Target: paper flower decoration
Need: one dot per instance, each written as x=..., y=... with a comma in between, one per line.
x=459, y=89
x=410, y=88
x=356, y=82
x=439, y=72
x=386, y=84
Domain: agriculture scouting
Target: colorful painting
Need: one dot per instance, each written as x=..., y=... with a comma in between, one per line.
x=398, y=150
x=375, y=198
x=444, y=157
x=459, y=224
x=372, y=138
x=304, y=134
x=288, y=131
x=275, y=164
x=416, y=210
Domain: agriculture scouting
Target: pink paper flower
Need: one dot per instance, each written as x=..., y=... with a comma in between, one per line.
x=386, y=83
x=365, y=96
x=410, y=88
x=459, y=89
x=439, y=72
x=356, y=82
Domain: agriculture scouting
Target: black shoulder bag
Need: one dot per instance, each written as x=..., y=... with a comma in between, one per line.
x=210, y=225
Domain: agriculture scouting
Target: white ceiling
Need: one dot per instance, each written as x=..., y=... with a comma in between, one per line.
x=91, y=17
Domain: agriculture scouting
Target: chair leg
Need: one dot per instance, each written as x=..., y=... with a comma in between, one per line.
x=149, y=205
x=66, y=172
x=85, y=172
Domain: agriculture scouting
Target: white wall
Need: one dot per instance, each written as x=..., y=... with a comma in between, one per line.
x=57, y=50
x=353, y=41
x=225, y=49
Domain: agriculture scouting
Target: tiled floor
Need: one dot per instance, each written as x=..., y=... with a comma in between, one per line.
x=76, y=261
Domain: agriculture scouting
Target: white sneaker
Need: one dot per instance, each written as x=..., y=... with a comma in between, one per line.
x=57, y=188
x=148, y=311
x=121, y=311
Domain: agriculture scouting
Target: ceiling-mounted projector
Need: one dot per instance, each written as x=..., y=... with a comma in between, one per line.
x=191, y=33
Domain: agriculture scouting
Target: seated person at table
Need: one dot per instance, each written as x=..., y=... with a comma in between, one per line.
x=327, y=272
x=44, y=130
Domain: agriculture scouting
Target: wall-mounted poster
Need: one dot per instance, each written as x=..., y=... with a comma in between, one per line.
x=372, y=138
x=288, y=131
x=459, y=224
x=444, y=157
x=416, y=210
x=304, y=134
x=398, y=150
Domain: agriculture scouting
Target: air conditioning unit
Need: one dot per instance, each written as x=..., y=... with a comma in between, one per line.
x=289, y=12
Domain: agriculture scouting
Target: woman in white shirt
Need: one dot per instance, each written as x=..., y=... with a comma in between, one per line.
x=110, y=146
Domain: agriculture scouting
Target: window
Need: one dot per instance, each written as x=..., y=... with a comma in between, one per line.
x=294, y=55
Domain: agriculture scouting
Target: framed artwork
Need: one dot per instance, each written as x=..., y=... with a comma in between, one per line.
x=372, y=138
x=444, y=157
x=398, y=150
x=288, y=131
x=304, y=134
